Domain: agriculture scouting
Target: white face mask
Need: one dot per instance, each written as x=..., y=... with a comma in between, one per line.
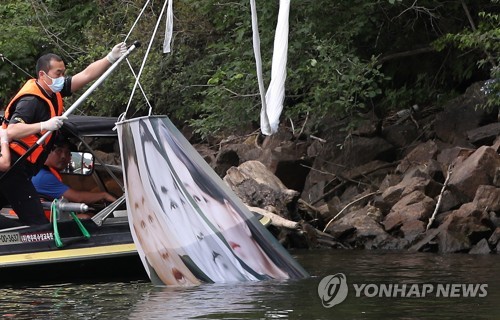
x=57, y=83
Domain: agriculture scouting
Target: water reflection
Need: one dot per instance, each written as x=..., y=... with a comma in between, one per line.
x=215, y=301
x=275, y=299
x=69, y=301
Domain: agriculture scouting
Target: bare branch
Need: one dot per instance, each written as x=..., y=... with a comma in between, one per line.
x=347, y=206
x=438, y=204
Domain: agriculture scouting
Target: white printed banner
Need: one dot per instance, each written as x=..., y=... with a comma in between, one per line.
x=188, y=226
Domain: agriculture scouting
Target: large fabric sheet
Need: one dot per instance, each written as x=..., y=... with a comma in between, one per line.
x=188, y=226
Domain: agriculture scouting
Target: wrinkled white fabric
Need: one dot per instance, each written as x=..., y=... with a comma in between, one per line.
x=272, y=100
x=168, y=28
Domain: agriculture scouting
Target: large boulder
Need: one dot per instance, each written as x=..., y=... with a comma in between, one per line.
x=478, y=169
x=258, y=187
x=361, y=229
x=460, y=230
x=462, y=115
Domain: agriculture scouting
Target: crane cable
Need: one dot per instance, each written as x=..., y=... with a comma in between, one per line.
x=168, y=31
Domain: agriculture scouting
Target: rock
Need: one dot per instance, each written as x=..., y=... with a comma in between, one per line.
x=494, y=238
x=422, y=154
x=336, y=158
x=414, y=206
x=390, y=197
x=428, y=241
x=463, y=228
x=484, y=135
x=496, y=178
x=108, y=158
x=461, y=115
x=487, y=198
x=413, y=230
x=389, y=180
x=449, y=201
x=459, y=231
x=404, y=174
x=366, y=150
x=360, y=229
x=478, y=169
x=453, y=156
x=229, y=157
x=495, y=219
x=401, y=134
x=258, y=187
x=482, y=247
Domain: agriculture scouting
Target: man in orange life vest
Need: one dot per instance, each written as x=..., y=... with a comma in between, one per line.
x=48, y=181
x=36, y=109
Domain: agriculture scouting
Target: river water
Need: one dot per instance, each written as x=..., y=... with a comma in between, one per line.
x=299, y=299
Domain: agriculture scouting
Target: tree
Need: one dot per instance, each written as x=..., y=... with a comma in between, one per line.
x=345, y=58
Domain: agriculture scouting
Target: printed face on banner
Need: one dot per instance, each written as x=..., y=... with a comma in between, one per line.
x=187, y=226
x=219, y=211
x=198, y=240
x=157, y=251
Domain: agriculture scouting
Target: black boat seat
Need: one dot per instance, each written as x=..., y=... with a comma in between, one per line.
x=6, y=223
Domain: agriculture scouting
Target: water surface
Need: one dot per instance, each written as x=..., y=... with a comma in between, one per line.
x=277, y=299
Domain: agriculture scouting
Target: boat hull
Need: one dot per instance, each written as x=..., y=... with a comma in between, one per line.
x=31, y=255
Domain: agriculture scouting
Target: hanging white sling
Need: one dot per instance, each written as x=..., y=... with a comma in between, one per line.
x=272, y=100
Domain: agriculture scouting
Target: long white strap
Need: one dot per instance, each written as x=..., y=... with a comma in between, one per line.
x=169, y=27
x=272, y=100
x=264, y=120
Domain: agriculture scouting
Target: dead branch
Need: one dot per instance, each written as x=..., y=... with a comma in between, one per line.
x=306, y=205
x=403, y=54
x=276, y=220
x=347, y=206
x=351, y=179
x=317, y=138
x=304, y=124
x=438, y=204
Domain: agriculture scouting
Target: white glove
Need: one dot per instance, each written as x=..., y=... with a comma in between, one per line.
x=3, y=136
x=52, y=124
x=117, y=51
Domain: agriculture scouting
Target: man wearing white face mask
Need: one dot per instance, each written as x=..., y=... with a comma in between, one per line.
x=36, y=109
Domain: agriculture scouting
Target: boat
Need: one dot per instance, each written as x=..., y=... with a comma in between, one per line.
x=187, y=226
x=107, y=253
x=40, y=254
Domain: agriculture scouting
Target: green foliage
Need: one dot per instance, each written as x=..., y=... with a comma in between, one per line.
x=332, y=81
x=19, y=42
x=324, y=76
x=344, y=57
x=485, y=40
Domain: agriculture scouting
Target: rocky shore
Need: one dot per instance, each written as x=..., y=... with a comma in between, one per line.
x=424, y=179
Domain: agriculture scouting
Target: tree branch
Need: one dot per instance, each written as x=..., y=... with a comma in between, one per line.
x=438, y=204
x=403, y=54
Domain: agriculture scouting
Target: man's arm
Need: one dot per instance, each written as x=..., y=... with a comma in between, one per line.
x=87, y=197
x=20, y=130
x=97, y=68
x=5, y=151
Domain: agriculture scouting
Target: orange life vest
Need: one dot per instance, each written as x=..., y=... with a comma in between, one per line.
x=20, y=146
